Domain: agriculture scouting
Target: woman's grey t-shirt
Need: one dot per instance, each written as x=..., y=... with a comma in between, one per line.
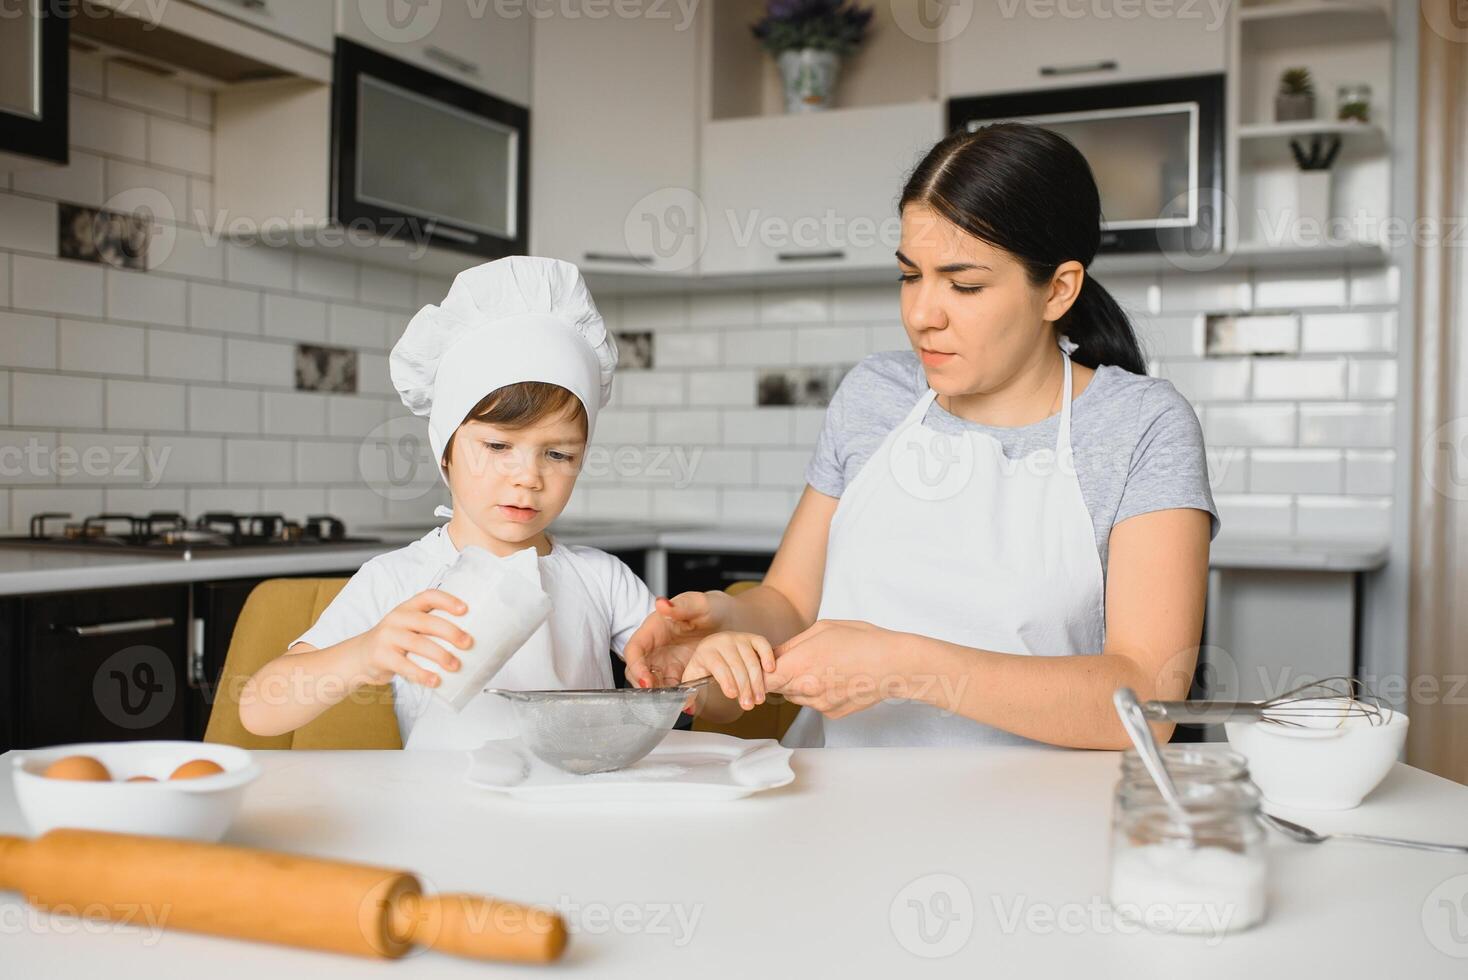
x=1137, y=442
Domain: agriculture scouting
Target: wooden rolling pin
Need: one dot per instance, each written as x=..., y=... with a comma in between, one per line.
x=268, y=896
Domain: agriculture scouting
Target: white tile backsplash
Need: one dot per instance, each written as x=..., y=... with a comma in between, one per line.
x=1370, y=472
x=81, y=181
x=27, y=224
x=223, y=410
x=1293, y=289
x=56, y=286
x=1347, y=425
x=147, y=298
x=1250, y=425
x=1212, y=380
x=226, y=309
x=295, y=317
x=1349, y=333
x=1296, y=471
x=179, y=145
x=145, y=405
x=55, y=400
x=91, y=347
x=1267, y=515
x=187, y=356
x=1281, y=379
x=771, y=346
x=259, y=362
x=1344, y=517
x=259, y=461
x=27, y=341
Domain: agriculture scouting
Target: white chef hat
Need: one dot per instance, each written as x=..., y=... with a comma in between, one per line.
x=515, y=319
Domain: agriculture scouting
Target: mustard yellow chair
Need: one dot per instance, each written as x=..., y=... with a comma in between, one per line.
x=768, y=720
x=276, y=612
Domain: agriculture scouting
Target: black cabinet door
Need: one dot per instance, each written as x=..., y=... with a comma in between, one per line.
x=9, y=674
x=104, y=665
x=704, y=571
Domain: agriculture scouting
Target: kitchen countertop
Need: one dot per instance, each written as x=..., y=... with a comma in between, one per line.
x=25, y=571
x=869, y=864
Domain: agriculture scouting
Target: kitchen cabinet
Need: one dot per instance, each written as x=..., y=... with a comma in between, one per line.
x=810, y=192
x=33, y=86
x=615, y=127
x=103, y=665
x=481, y=45
x=1009, y=48
x=306, y=22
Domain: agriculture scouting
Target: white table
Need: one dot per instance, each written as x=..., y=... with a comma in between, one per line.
x=804, y=880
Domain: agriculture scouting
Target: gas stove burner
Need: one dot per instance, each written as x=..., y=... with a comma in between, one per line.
x=171, y=532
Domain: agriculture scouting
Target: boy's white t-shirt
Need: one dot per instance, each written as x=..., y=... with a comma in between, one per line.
x=597, y=604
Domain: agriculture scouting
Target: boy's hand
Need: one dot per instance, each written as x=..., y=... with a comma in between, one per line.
x=658, y=653
x=407, y=629
x=738, y=662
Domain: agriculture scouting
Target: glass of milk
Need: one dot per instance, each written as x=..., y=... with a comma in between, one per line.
x=506, y=605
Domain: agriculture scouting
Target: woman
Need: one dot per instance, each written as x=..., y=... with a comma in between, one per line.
x=1003, y=525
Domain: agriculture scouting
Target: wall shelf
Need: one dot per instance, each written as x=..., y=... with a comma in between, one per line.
x=1314, y=22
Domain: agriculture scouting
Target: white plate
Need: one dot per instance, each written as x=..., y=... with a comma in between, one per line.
x=685, y=766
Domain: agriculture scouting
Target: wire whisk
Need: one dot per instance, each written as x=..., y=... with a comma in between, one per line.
x=1337, y=699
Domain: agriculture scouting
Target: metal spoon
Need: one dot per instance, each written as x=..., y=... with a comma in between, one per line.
x=1132, y=719
x=1307, y=836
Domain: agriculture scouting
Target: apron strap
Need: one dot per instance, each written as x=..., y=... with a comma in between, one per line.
x=1062, y=436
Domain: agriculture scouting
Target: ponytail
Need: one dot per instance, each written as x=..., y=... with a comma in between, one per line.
x=1101, y=330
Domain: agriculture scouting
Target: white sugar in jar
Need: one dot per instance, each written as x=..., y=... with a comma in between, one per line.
x=1205, y=874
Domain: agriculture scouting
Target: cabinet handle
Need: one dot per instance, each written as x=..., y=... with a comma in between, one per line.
x=196, y=655
x=435, y=53
x=1050, y=71
x=111, y=629
x=259, y=5
x=628, y=258
x=727, y=576
x=810, y=256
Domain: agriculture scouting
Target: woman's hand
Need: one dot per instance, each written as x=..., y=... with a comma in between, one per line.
x=839, y=667
x=738, y=662
x=658, y=652
x=383, y=650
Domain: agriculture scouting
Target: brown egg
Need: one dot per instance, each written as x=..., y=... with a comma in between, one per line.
x=197, y=768
x=141, y=779
x=82, y=768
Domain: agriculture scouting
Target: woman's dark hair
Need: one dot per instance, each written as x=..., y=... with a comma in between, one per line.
x=1030, y=192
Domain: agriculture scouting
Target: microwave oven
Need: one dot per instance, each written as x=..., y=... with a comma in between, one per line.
x=1156, y=148
x=418, y=156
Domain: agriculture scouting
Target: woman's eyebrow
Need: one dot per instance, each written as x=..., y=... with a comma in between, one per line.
x=950, y=267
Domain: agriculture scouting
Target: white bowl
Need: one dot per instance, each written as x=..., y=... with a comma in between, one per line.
x=198, y=809
x=1326, y=765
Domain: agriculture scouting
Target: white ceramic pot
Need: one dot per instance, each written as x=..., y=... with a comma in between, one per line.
x=197, y=809
x=1320, y=767
x=1312, y=201
x=809, y=77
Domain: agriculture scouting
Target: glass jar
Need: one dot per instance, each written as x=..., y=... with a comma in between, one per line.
x=1202, y=872
x=1186, y=763
x=1353, y=102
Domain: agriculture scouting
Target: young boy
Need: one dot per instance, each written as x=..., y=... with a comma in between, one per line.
x=511, y=370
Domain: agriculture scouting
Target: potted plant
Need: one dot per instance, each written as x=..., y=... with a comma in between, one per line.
x=1312, y=188
x=1296, y=97
x=808, y=39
